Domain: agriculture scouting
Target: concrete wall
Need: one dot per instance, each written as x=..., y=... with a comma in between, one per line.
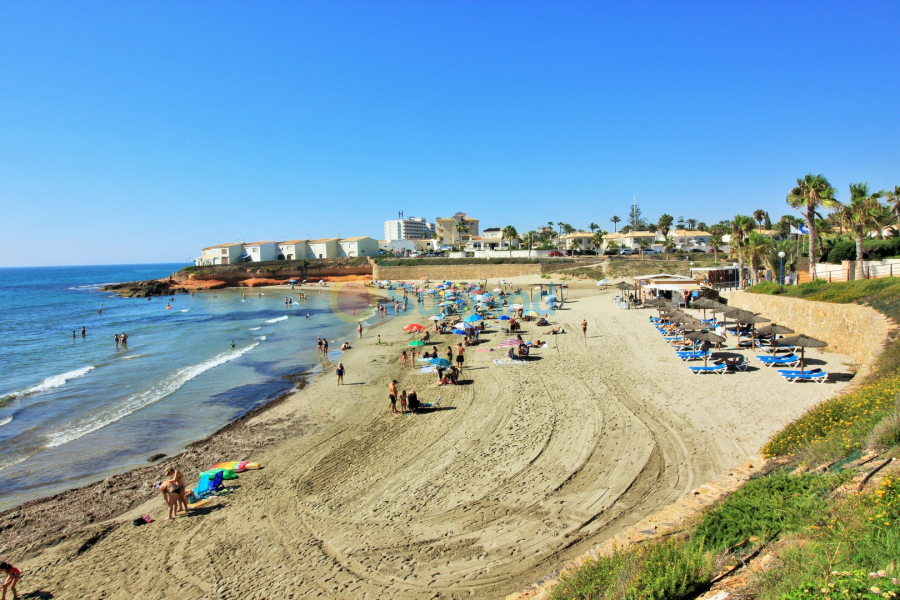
x=456, y=272
x=857, y=331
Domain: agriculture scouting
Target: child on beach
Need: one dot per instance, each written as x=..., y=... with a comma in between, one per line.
x=403, y=357
x=13, y=575
x=403, y=402
x=340, y=373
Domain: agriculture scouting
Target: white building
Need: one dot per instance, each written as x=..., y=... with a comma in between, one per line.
x=261, y=251
x=356, y=246
x=292, y=250
x=412, y=228
x=222, y=254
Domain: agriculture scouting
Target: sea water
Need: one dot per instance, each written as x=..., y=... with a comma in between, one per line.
x=76, y=409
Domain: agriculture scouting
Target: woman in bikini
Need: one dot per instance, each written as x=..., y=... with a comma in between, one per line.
x=13, y=575
x=174, y=493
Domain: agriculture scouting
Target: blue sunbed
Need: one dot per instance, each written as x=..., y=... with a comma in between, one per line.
x=789, y=360
x=720, y=369
x=817, y=375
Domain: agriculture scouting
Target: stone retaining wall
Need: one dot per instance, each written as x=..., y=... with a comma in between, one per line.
x=458, y=272
x=858, y=331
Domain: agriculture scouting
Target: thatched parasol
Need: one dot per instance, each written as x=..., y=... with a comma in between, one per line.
x=773, y=330
x=624, y=286
x=803, y=341
x=704, y=336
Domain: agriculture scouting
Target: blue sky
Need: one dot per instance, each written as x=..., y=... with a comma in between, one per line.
x=140, y=132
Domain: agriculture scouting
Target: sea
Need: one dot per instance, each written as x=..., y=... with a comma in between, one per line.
x=76, y=408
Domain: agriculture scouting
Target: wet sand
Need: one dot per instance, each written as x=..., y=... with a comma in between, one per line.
x=524, y=467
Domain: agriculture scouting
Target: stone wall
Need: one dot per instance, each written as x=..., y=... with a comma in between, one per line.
x=858, y=331
x=457, y=272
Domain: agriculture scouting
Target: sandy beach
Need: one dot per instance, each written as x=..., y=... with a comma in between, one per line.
x=525, y=466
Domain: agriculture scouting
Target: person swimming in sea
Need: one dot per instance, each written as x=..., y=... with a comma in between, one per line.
x=233, y=345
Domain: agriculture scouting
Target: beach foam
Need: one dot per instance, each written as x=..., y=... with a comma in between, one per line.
x=5, y=420
x=276, y=320
x=255, y=328
x=77, y=429
x=49, y=383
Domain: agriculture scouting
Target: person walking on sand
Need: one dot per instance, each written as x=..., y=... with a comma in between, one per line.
x=460, y=351
x=359, y=329
x=392, y=394
x=13, y=575
x=340, y=373
x=584, y=328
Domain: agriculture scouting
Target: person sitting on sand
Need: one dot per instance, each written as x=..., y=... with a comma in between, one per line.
x=13, y=575
x=427, y=337
x=345, y=346
x=542, y=322
x=539, y=344
x=412, y=400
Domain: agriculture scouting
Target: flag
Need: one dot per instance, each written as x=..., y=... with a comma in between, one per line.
x=802, y=230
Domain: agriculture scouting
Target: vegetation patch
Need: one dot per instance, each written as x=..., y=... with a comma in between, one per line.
x=429, y=262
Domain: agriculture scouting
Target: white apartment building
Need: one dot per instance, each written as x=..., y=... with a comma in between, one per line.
x=412, y=228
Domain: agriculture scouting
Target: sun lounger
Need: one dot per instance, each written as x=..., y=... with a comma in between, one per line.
x=797, y=371
x=695, y=355
x=736, y=365
x=211, y=485
x=720, y=369
x=790, y=360
x=818, y=375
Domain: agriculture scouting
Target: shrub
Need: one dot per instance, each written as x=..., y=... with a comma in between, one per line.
x=886, y=434
x=843, y=250
x=764, y=506
x=847, y=419
x=872, y=250
x=670, y=570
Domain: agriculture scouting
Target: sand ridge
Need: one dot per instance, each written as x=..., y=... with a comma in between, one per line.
x=525, y=467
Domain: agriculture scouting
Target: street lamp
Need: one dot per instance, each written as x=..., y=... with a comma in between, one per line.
x=781, y=274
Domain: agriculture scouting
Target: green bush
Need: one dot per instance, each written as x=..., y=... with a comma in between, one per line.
x=844, y=250
x=667, y=570
x=872, y=250
x=764, y=506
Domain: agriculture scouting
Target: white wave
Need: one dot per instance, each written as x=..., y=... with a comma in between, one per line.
x=50, y=383
x=255, y=328
x=132, y=356
x=5, y=420
x=262, y=338
x=134, y=403
x=284, y=318
x=184, y=310
x=14, y=462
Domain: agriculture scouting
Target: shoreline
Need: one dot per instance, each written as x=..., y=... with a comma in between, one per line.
x=524, y=467
x=40, y=522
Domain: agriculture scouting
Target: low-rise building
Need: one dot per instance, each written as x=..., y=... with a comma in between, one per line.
x=323, y=248
x=456, y=230
x=580, y=240
x=292, y=250
x=221, y=254
x=356, y=246
x=411, y=228
x=260, y=251
x=491, y=239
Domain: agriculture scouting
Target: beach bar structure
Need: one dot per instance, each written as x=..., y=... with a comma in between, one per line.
x=718, y=278
x=665, y=282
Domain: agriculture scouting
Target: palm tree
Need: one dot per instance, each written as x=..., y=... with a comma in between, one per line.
x=691, y=223
x=701, y=226
x=509, y=233
x=756, y=248
x=615, y=221
x=665, y=224
x=461, y=229
x=669, y=245
x=883, y=219
x=857, y=216
x=759, y=215
x=741, y=226
x=811, y=192
x=593, y=226
x=597, y=239
x=643, y=243
x=715, y=240
x=680, y=222
x=893, y=200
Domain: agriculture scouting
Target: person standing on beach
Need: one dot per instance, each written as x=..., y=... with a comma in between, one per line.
x=340, y=373
x=325, y=347
x=13, y=575
x=403, y=402
x=460, y=351
x=359, y=329
x=318, y=346
x=403, y=357
x=584, y=328
x=392, y=395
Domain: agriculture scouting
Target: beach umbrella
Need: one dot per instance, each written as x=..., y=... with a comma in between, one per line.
x=704, y=336
x=503, y=318
x=445, y=304
x=773, y=330
x=472, y=318
x=414, y=327
x=751, y=320
x=602, y=282
x=803, y=341
x=417, y=343
x=435, y=318
x=532, y=313
x=460, y=332
x=624, y=286
x=439, y=362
